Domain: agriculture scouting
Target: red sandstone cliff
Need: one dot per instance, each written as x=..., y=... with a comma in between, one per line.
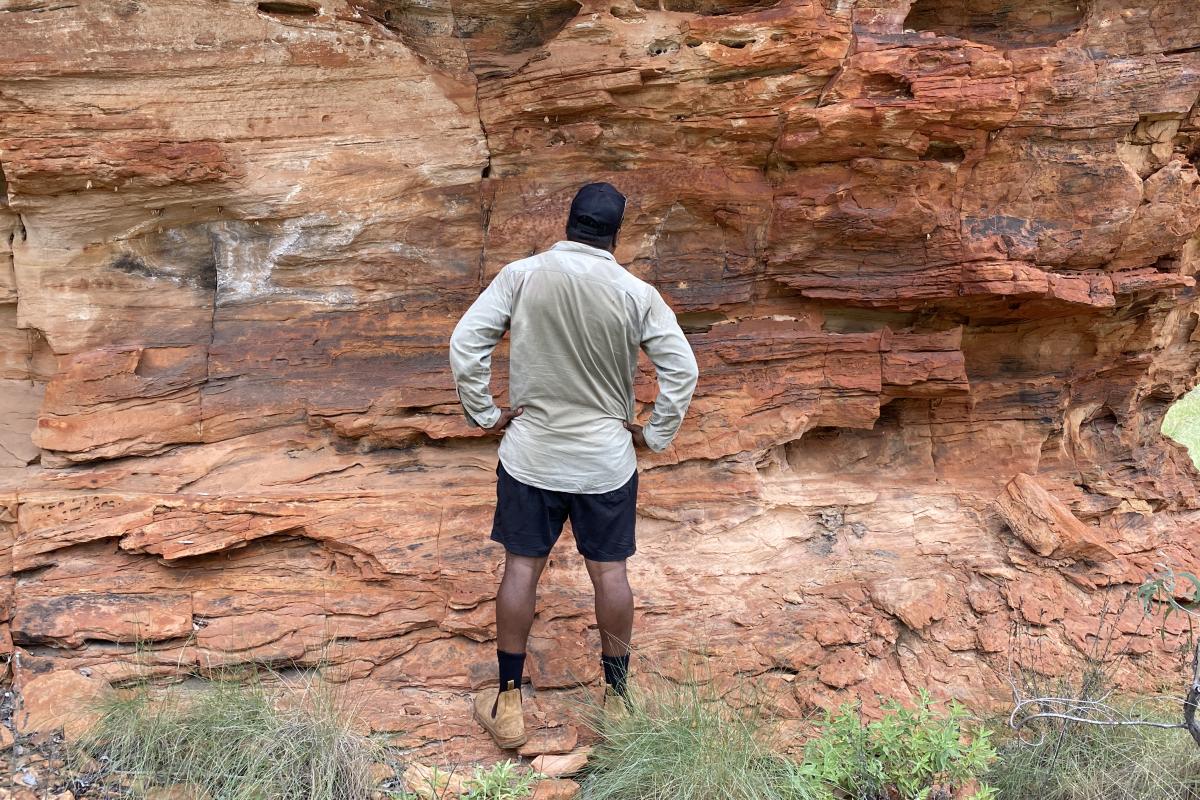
x=936, y=260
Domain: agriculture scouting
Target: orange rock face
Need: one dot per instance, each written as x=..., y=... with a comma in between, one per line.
x=937, y=261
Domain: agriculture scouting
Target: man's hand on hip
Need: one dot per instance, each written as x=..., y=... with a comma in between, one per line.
x=506, y=416
x=639, y=439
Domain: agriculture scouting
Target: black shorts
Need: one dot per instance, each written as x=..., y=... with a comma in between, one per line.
x=529, y=520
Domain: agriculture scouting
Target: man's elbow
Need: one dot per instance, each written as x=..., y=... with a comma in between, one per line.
x=690, y=374
x=459, y=352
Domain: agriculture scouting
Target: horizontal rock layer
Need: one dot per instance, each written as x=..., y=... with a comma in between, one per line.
x=936, y=259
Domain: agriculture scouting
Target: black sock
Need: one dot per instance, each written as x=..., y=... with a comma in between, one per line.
x=512, y=667
x=616, y=668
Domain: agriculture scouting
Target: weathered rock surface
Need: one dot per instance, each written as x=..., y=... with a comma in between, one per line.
x=59, y=700
x=557, y=766
x=555, y=789
x=937, y=260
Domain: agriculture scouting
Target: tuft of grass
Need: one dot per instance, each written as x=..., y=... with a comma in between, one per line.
x=235, y=741
x=684, y=741
x=1075, y=737
x=1063, y=760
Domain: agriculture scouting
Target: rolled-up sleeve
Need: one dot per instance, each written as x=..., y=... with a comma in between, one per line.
x=675, y=364
x=471, y=346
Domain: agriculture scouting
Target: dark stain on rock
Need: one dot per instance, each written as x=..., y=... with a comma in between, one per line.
x=1001, y=23
x=535, y=29
x=201, y=275
x=288, y=9
x=945, y=152
x=708, y=8
x=132, y=265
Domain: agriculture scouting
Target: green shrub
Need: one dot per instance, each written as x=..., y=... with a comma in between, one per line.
x=234, y=741
x=908, y=753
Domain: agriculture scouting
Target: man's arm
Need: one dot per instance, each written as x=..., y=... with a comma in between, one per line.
x=471, y=345
x=675, y=365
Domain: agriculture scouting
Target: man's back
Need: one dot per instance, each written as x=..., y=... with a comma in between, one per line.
x=577, y=321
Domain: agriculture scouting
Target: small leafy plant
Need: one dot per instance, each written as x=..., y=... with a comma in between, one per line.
x=1163, y=590
x=910, y=753
x=504, y=781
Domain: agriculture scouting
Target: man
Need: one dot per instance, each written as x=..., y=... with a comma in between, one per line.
x=577, y=320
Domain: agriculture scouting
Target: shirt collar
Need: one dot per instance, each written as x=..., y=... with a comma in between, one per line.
x=580, y=247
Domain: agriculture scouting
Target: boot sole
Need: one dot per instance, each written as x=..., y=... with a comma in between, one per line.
x=504, y=744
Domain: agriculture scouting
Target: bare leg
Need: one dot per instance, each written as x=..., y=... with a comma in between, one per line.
x=516, y=601
x=614, y=605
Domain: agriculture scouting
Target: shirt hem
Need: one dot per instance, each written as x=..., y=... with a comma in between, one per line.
x=538, y=483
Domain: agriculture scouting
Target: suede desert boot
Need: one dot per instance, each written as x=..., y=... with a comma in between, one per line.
x=616, y=707
x=500, y=715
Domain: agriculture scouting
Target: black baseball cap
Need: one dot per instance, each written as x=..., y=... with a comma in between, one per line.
x=596, y=210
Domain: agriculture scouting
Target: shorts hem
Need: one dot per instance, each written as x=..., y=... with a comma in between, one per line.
x=523, y=552
x=607, y=558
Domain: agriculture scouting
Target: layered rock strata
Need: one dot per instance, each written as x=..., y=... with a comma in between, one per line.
x=936, y=259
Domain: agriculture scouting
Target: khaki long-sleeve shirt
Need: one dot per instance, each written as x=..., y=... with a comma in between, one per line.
x=577, y=319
